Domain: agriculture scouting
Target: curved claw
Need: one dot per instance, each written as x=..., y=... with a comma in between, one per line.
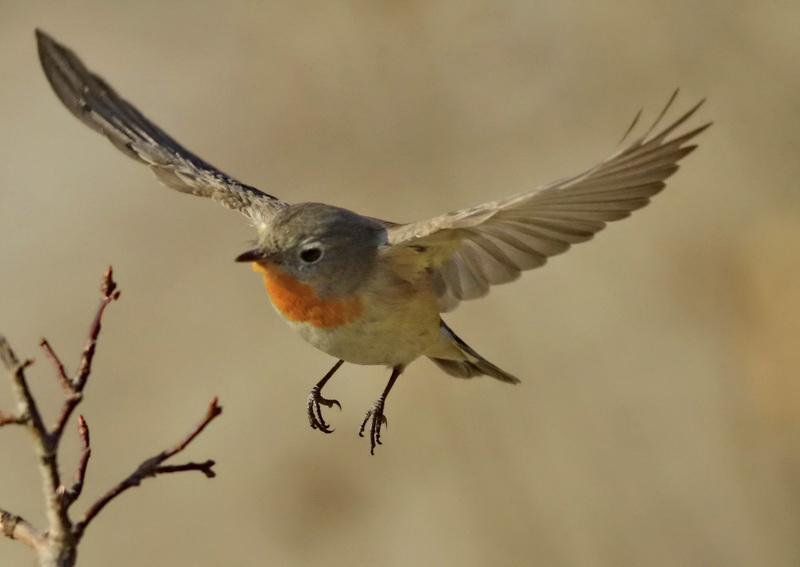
x=376, y=418
x=314, y=411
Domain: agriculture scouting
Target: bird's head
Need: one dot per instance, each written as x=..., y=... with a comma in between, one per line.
x=330, y=249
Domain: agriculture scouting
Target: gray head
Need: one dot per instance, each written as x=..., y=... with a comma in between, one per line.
x=328, y=248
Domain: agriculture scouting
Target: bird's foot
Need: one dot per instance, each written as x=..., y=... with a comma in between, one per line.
x=315, y=399
x=377, y=420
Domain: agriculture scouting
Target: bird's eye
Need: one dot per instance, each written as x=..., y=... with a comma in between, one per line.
x=311, y=255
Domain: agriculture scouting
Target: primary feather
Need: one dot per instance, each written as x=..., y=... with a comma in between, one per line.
x=95, y=103
x=470, y=250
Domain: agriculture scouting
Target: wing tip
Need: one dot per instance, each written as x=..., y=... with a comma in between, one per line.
x=42, y=37
x=47, y=47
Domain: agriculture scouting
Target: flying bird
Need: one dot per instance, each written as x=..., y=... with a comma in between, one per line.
x=369, y=291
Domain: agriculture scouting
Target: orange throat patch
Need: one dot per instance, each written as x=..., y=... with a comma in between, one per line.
x=299, y=303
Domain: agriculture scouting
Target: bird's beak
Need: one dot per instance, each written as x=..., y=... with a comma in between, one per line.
x=253, y=255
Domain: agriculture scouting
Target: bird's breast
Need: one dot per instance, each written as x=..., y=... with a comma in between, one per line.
x=298, y=302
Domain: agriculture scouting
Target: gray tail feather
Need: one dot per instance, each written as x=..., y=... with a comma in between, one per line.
x=474, y=365
x=467, y=369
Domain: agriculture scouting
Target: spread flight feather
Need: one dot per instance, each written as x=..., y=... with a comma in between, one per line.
x=466, y=251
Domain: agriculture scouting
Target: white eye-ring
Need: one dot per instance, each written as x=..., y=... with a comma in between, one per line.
x=311, y=255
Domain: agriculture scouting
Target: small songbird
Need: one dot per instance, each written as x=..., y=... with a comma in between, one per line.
x=369, y=291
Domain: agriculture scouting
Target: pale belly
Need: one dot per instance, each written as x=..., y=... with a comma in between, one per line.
x=389, y=336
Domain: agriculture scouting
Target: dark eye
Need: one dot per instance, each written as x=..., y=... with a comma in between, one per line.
x=310, y=255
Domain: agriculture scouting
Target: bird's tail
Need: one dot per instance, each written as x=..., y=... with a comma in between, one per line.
x=472, y=364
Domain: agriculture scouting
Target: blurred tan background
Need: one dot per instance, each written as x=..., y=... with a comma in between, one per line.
x=659, y=419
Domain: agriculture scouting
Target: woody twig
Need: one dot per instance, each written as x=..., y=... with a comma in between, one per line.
x=56, y=546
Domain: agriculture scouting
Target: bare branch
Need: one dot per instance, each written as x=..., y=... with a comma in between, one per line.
x=75, y=490
x=60, y=371
x=213, y=411
x=57, y=545
x=70, y=403
x=75, y=386
x=10, y=419
x=59, y=535
x=110, y=293
x=15, y=527
x=204, y=467
x=152, y=467
x=27, y=408
x=60, y=527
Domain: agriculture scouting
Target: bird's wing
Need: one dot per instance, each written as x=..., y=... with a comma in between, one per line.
x=97, y=105
x=470, y=250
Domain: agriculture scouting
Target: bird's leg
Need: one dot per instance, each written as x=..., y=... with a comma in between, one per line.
x=315, y=399
x=375, y=413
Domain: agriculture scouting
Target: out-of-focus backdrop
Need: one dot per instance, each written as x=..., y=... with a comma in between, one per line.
x=658, y=422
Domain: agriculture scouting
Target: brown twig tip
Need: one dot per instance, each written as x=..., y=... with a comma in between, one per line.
x=60, y=370
x=10, y=419
x=214, y=409
x=83, y=431
x=204, y=467
x=110, y=293
x=108, y=285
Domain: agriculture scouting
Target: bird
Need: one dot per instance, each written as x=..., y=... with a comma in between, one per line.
x=369, y=291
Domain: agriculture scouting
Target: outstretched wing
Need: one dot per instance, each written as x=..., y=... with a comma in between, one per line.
x=97, y=105
x=470, y=250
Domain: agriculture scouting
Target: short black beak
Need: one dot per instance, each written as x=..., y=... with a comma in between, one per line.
x=251, y=256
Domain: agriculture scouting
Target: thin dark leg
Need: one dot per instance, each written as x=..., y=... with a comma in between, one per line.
x=375, y=413
x=315, y=399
